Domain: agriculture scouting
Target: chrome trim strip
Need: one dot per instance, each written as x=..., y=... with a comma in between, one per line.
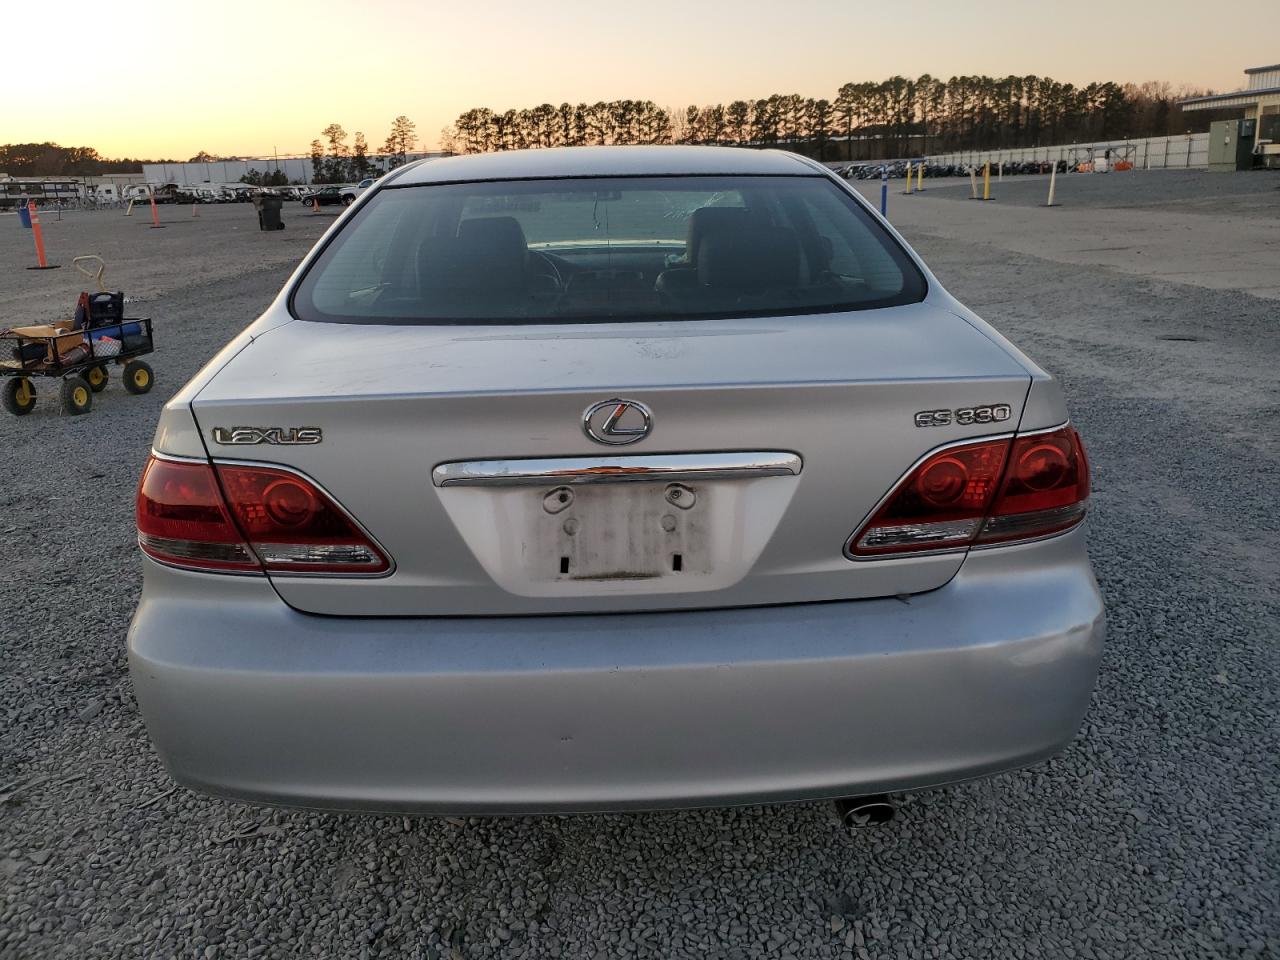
x=1040, y=430
x=175, y=458
x=200, y=570
x=662, y=466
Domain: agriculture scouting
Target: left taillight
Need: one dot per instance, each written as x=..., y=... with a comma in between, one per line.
x=247, y=519
x=182, y=519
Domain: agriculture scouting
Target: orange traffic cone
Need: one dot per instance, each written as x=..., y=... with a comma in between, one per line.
x=42, y=262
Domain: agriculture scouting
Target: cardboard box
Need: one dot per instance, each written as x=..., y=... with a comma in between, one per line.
x=58, y=339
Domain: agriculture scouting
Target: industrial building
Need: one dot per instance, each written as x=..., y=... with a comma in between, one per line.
x=1261, y=97
x=296, y=169
x=1253, y=140
x=120, y=187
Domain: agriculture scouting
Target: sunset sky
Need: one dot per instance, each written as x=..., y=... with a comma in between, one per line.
x=153, y=79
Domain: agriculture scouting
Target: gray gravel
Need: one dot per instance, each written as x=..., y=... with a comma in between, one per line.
x=1251, y=194
x=1155, y=835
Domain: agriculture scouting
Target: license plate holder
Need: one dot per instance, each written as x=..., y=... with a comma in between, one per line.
x=618, y=531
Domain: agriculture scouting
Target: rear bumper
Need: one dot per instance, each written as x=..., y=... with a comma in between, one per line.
x=246, y=698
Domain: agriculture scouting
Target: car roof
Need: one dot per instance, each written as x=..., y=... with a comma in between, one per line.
x=557, y=162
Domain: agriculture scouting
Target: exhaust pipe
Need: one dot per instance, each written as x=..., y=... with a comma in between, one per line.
x=857, y=812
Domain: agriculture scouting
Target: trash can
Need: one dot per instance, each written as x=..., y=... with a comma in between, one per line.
x=24, y=215
x=269, y=212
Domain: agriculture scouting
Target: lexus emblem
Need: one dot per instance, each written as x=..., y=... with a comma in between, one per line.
x=617, y=421
x=276, y=436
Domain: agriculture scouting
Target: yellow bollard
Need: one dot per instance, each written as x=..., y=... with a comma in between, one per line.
x=129, y=212
x=973, y=184
x=1053, y=182
x=920, y=178
x=986, y=180
x=907, y=191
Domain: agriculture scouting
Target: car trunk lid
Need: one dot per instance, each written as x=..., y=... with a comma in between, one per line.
x=462, y=450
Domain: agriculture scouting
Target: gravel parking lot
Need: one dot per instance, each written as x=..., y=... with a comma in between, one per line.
x=1243, y=194
x=1157, y=833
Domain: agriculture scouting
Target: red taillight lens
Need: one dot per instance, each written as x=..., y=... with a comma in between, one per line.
x=247, y=519
x=182, y=519
x=939, y=505
x=293, y=526
x=1045, y=490
x=989, y=491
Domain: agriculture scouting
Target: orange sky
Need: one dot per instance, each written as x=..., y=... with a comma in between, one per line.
x=241, y=78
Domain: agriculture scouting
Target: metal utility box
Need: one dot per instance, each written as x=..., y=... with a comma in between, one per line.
x=1231, y=145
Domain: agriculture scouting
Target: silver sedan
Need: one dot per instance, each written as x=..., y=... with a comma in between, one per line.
x=612, y=478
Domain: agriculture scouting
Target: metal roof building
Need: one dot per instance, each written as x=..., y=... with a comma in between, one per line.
x=296, y=169
x=1260, y=98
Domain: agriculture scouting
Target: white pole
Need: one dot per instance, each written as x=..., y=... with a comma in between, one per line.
x=1053, y=182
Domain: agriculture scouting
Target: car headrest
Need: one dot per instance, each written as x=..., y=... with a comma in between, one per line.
x=750, y=259
x=489, y=250
x=502, y=232
x=708, y=220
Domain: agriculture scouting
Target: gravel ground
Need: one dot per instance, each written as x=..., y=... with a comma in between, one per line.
x=1156, y=834
x=219, y=244
x=1216, y=230
x=1253, y=194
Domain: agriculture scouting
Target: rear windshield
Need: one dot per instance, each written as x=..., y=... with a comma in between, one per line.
x=607, y=249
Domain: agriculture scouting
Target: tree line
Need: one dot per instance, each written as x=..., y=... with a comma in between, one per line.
x=482, y=130
x=343, y=163
x=54, y=160
x=896, y=117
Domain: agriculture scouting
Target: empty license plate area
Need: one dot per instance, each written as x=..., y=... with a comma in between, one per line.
x=618, y=531
x=609, y=526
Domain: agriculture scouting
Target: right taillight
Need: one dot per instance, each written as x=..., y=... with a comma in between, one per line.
x=1045, y=488
x=246, y=518
x=980, y=492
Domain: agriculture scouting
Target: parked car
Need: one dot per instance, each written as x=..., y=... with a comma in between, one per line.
x=200, y=194
x=329, y=196
x=165, y=193
x=611, y=479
